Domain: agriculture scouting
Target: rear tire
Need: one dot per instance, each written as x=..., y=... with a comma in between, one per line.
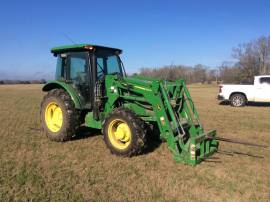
x=124, y=133
x=238, y=100
x=59, y=117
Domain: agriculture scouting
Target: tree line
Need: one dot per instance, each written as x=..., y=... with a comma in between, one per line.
x=250, y=59
x=7, y=81
x=198, y=73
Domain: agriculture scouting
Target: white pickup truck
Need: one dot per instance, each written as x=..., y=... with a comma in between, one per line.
x=239, y=95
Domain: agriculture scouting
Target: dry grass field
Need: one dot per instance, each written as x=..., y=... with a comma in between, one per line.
x=32, y=168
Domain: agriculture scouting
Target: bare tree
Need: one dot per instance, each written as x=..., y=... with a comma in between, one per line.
x=199, y=73
x=248, y=62
x=262, y=47
x=253, y=57
x=229, y=74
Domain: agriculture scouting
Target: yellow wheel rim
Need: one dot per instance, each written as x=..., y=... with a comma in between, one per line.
x=119, y=134
x=53, y=117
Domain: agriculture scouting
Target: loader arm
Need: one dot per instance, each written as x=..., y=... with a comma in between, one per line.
x=171, y=107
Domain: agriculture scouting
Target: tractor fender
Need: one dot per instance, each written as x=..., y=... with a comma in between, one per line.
x=50, y=85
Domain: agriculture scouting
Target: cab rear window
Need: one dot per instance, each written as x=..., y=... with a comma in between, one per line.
x=265, y=80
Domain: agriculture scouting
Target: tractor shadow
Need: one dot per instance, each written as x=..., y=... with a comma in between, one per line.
x=152, y=145
x=84, y=132
x=153, y=141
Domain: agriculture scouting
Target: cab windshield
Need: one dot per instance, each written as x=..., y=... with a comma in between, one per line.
x=108, y=63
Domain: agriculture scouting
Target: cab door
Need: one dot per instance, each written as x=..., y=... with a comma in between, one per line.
x=78, y=76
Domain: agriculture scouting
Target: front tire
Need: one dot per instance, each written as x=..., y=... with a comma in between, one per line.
x=59, y=118
x=238, y=100
x=124, y=133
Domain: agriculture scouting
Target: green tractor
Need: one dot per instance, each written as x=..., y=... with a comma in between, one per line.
x=92, y=89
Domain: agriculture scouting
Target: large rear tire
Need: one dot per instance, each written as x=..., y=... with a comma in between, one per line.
x=59, y=118
x=124, y=133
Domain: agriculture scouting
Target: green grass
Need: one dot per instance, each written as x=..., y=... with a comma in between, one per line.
x=34, y=168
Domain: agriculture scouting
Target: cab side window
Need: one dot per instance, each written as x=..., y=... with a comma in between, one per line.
x=78, y=75
x=60, y=68
x=78, y=67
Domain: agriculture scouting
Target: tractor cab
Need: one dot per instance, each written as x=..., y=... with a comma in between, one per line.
x=82, y=66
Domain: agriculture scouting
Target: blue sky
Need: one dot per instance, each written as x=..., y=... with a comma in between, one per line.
x=151, y=33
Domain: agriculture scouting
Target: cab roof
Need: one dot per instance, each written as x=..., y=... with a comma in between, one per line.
x=81, y=47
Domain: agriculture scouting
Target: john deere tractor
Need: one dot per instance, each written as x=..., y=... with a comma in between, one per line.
x=92, y=89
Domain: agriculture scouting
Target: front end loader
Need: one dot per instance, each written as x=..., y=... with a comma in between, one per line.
x=91, y=88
